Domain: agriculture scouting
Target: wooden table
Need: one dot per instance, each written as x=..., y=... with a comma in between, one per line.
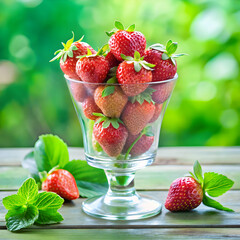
x=203, y=223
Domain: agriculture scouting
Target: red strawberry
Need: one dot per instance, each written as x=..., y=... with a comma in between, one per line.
x=111, y=100
x=136, y=116
x=133, y=74
x=63, y=183
x=184, y=194
x=112, y=61
x=69, y=56
x=89, y=107
x=78, y=90
x=162, y=91
x=126, y=41
x=111, y=134
x=141, y=146
x=163, y=59
x=157, y=112
x=92, y=68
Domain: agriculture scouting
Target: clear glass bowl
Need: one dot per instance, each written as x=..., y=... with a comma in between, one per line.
x=121, y=202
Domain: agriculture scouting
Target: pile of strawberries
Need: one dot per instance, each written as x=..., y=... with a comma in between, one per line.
x=127, y=103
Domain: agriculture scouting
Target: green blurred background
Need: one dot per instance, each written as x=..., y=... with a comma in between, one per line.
x=204, y=109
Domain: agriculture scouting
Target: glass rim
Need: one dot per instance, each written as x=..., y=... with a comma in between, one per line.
x=119, y=84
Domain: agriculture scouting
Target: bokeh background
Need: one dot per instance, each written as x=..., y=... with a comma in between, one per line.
x=205, y=107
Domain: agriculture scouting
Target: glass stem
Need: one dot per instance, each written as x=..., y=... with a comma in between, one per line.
x=121, y=193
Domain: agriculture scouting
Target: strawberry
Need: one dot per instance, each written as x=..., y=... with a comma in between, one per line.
x=141, y=146
x=63, y=183
x=157, y=112
x=92, y=68
x=89, y=107
x=163, y=59
x=162, y=91
x=69, y=55
x=111, y=134
x=138, y=112
x=133, y=74
x=126, y=41
x=112, y=61
x=184, y=194
x=111, y=104
x=78, y=90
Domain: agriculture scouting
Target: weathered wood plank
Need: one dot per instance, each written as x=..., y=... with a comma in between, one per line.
x=166, y=155
x=130, y=234
x=155, y=177
x=203, y=217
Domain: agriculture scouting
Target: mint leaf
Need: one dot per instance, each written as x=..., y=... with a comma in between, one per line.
x=21, y=217
x=48, y=200
x=49, y=216
x=89, y=189
x=197, y=169
x=84, y=172
x=13, y=201
x=216, y=184
x=29, y=163
x=50, y=151
x=214, y=204
x=28, y=191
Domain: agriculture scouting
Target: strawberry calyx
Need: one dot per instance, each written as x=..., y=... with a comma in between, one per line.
x=67, y=50
x=146, y=131
x=107, y=121
x=138, y=62
x=119, y=26
x=213, y=185
x=100, y=52
x=109, y=89
x=44, y=174
x=144, y=96
x=168, y=50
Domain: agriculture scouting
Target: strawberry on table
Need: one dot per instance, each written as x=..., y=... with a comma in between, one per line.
x=163, y=59
x=138, y=112
x=126, y=41
x=187, y=193
x=133, y=74
x=93, y=67
x=69, y=55
x=63, y=183
x=111, y=134
x=89, y=107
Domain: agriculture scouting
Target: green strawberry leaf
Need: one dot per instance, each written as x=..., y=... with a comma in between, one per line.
x=216, y=184
x=214, y=204
x=21, y=217
x=30, y=164
x=197, y=169
x=115, y=123
x=171, y=48
x=165, y=56
x=108, y=91
x=98, y=114
x=48, y=200
x=137, y=66
x=137, y=55
x=106, y=123
x=50, y=151
x=119, y=25
x=158, y=46
x=28, y=191
x=90, y=189
x=131, y=28
x=144, y=96
x=50, y=216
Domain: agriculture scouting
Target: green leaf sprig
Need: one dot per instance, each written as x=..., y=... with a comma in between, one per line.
x=213, y=185
x=29, y=207
x=51, y=152
x=67, y=50
x=119, y=26
x=168, y=50
x=138, y=62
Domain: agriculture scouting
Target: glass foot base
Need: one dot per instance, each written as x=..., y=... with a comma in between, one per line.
x=143, y=208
